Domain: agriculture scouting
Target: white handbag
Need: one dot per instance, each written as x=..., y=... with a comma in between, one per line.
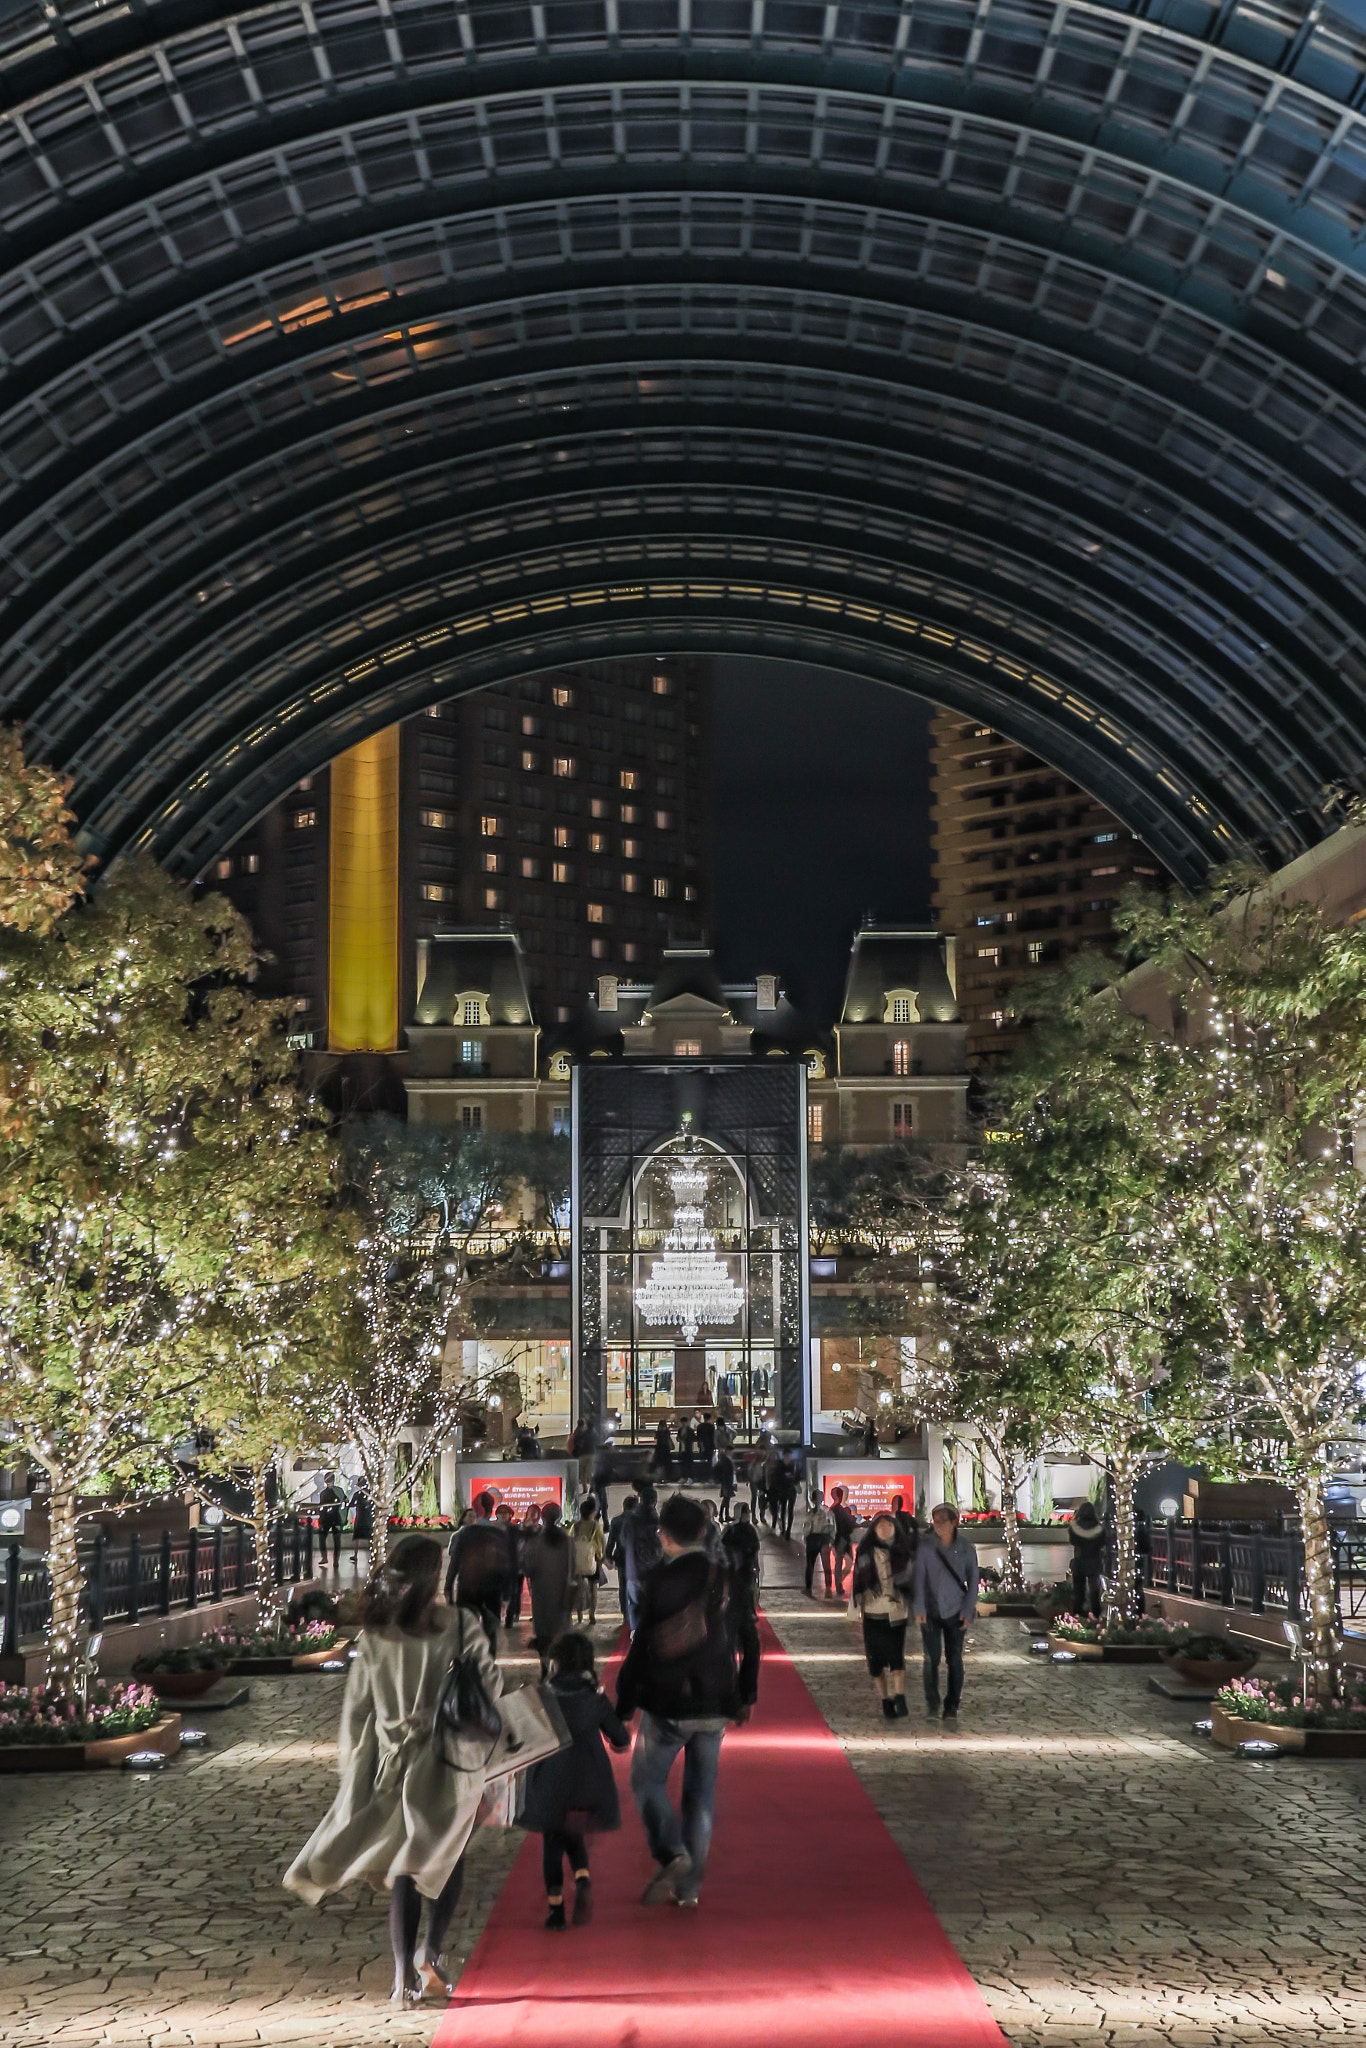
x=533, y=1728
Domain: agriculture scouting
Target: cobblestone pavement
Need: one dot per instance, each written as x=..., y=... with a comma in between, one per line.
x=1108, y=1877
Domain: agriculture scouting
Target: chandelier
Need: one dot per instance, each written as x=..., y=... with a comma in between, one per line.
x=688, y=1285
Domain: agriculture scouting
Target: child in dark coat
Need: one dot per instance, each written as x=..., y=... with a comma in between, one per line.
x=573, y=1794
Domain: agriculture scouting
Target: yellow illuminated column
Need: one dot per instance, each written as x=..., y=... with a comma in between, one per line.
x=362, y=970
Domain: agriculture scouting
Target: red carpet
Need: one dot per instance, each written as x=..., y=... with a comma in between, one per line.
x=812, y=1932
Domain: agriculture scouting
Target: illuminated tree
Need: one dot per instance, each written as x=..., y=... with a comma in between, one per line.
x=157, y=1099
x=41, y=870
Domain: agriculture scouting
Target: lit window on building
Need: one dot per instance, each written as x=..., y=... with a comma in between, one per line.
x=493, y=899
x=630, y=778
x=597, y=913
x=664, y=821
x=1104, y=838
x=599, y=948
x=531, y=726
x=991, y=953
x=559, y=1120
x=251, y=863
x=562, y=698
x=597, y=842
x=438, y=821
x=305, y=783
x=998, y=1018
x=630, y=849
x=490, y=827
x=223, y=870
x=600, y=807
x=630, y=952
x=564, y=835
x=690, y=894
x=437, y=892
x=630, y=882
x=471, y=1052
x=901, y=1009
x=687, y=1048
x=493, y=863
x=531, y=761
x=1035, y=950
x=903, y=1119
x=564, y=764
x=303, y=819
x=661, y=887
x=815, y=1122
x=1105, y=871
x=471, y=1116
x=662, y=686
x=433, y=711
x=901, y=1057
x=630, y=814
x=562, y=871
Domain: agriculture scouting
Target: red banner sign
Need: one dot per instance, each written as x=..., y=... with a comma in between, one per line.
x=868, y=1492
x=520, y=1493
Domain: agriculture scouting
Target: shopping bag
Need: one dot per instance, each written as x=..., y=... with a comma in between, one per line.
x=533, y=1728
x=498, y=1805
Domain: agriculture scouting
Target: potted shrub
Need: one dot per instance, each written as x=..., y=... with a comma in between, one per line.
x=39, y=1731
x=1274, y=1710
x=183, y=1671
x=1207, y=1659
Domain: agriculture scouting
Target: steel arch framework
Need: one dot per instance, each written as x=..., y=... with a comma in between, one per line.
x=359, y=352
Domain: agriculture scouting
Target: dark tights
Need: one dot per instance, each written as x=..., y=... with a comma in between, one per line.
x=405, y=1910
x=556, y=1844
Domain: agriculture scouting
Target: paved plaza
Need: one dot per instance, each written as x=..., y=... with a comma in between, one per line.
x=1107, y=1876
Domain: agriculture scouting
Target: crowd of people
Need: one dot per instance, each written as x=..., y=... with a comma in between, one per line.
x=688, y=1574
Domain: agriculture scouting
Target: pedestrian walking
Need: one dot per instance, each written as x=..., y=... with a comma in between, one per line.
x=945, y=1596
x=589, y=1545
x=362, y=1524
x=687, y=1454
x=782, y=1494
x=692, y=1670
x=883, y=1568
x=868, y=1442
x=1086, y=1534
x=401, y=1817
x=573, y=1794
x=522, y=1532
x=548, y=1567
x=714, y=1539
x=481, y=1564
x=640, y=1545
x=706, y=1445
x=662, y=1461
x=725, y=1480
x=818, y=1531
x=756, y=1474
x=744, y=1555
x=842, y=1547
x=331, y=1520
x=906, y=1522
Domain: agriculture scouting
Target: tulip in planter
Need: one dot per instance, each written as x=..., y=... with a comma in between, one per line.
x=40, y=1731
x=1274, y=1710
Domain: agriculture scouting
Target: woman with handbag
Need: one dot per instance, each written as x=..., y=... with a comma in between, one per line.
x=573, y=1794
x=402, y=1816
x=883, y=1564
x=588, y=1543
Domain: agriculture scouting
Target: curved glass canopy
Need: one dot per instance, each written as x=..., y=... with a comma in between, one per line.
x=355, y=353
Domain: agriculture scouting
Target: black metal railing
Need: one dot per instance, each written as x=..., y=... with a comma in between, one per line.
x=133, y=1579
x=1246, y=1568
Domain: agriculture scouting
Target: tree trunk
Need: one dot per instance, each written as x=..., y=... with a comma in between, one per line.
x=261, y=1520
x=1119, y=1587
x=1013, y=1580
x=1323, y=1622
x=63, y=1633
x=382, y=1501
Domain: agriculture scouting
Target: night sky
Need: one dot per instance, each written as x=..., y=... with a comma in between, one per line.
x=822, y=815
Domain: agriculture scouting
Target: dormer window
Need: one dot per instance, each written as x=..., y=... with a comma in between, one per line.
x=901, y=1010
x=901, y=1006
x=472, y=1007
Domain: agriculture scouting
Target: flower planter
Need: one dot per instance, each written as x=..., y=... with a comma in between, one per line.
x=105, y=1754
x=1230, y=1729
x=1108, y=1653
x=185, y=1685
x=1207, y=1671
x=280, y=1667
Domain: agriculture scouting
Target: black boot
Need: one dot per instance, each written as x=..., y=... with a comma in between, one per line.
x=555, y=1919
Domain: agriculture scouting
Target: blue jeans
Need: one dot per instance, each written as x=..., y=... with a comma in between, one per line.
x=948, y=1634
x=657, y=1744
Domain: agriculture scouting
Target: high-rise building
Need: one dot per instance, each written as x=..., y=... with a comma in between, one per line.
x=574, y=804
x=1027, y=870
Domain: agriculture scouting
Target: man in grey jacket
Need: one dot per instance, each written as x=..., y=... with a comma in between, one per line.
x=945, y=1605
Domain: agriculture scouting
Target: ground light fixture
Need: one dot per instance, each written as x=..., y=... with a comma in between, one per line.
x=1256, y=1751
x=193, y=1738
x=1064, y=1656
x=334, y=1664
x=1205, y=1727
x=1039, y=1649
x=144, y=1760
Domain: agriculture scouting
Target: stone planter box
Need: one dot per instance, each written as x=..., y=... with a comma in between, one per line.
x=280, y=1667
x=1229, y=1730
x=107, y=1754
x=185, y=1685
x=1208, y=1671
x=1108, y=1653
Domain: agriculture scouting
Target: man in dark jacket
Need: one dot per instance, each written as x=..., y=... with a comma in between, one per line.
x=331, y=1507
x=845, y=1521
x=706, y=1444
x=743, y=1551
x=693, y=1667
x=633, y=1546
x=481, y=1565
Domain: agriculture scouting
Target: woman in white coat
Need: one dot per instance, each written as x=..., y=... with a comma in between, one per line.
x=402, y=1816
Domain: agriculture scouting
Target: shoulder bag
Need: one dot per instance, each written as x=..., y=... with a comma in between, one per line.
x=467, y=1725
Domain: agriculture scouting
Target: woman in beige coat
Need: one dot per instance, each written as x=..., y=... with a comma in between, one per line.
x=402, y=1816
